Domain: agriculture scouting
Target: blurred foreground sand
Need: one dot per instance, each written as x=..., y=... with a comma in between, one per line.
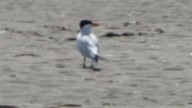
x=41, y=68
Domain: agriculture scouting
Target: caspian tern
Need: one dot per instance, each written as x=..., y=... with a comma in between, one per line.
x=87, y=43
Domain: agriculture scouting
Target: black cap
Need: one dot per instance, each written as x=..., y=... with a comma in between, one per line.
x=84, y=22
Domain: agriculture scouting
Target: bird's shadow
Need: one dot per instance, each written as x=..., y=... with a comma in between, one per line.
x=8, y=106
x=96, y=69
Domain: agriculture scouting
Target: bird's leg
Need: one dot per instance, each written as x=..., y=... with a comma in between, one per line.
x=94, y=61
x=92, y=64
x=84, y=62
x=94, y=67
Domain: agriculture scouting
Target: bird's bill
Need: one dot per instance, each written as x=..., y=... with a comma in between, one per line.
x=95, y=24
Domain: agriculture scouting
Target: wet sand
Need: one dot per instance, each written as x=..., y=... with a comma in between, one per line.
x=149, y=54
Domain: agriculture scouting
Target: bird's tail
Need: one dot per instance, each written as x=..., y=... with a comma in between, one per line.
x=98, y=57
x=101, y=57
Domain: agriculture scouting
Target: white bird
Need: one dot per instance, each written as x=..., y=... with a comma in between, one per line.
x=87, y=43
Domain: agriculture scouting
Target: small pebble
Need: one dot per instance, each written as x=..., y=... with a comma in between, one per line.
x=114, y=28
x=71, y=39
x=8, y=106
x=70, y=105
x=190, y=54
x=127, y=34
x=126, y=24
x=3, y=31
x=106, y=104
x=60, y=66
x=159, y=30
x=140, y=34
x=135, y=22
x=13, y=76
x=174, y=68
x=177, y=84
x=111, y=34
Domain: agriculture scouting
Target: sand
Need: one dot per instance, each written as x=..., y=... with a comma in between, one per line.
x=40, y=66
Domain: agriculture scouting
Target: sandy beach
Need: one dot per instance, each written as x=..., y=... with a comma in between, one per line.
x=147, y=44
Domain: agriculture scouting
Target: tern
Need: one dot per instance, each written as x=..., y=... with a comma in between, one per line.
x=87, y=43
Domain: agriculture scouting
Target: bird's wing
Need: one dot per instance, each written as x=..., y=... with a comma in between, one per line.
x=87, y=46
x=95, y=41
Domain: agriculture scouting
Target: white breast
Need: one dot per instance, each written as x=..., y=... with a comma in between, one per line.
x=88, y=45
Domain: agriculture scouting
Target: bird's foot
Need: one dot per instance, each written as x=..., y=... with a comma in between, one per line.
x=95, y=68
x=84, y=66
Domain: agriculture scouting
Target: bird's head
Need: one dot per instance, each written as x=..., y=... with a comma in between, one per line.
x=87, y=22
